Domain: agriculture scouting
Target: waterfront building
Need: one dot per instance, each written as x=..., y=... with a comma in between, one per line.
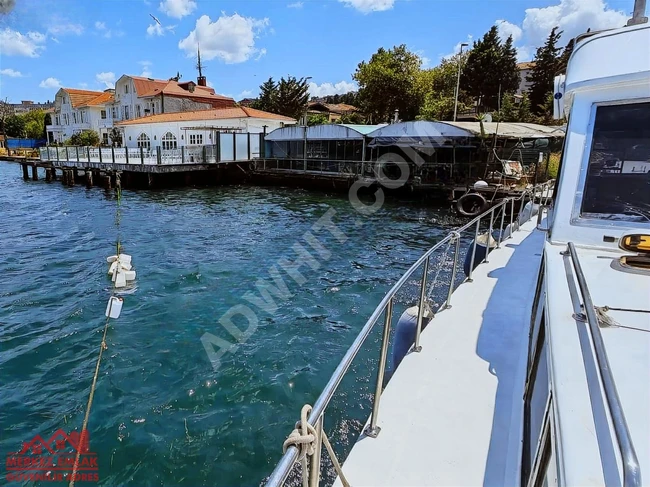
x=524, y=72
x=198, y=127
x=333, y=111
x=26, y=106
x=77, y=110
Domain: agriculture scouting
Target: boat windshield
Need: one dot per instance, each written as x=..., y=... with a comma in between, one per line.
x=617, y=186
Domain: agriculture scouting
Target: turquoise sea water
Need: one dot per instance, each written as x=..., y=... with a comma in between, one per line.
x=161, y=414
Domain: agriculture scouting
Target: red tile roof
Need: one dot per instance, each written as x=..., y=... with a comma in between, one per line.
x=151, y=87
x=218, y=114
x=79, y=98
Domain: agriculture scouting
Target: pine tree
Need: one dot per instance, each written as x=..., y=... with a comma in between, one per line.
x=483, y=73
x=541, y=77
x=508, y=69
x=292, y=97
x=268, y=93
x=564, y=58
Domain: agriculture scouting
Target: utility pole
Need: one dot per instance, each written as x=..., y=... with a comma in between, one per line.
x=460, y=63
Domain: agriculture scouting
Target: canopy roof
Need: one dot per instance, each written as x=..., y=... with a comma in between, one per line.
x=419, y=133
x=323, y=132
x=509, y=130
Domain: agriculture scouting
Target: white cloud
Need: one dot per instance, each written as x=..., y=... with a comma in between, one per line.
x=83, y=85
x=260, y=54
x=156, y=29
x=507, y=29
x=230, y=38
x=61, y=28
x=295, y=5
x=457, y=47
x=367, y=6
x=13, y=43
x=331, y=89
x=104, y=31
x=244, y=94
x=11, y=73
x=100, y=25
x=107, y=78
x=573, y=17
x=177, y=8
x=50, y=83
x=146, y=69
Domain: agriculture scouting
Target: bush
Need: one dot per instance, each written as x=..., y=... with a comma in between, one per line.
x=553, y=167
x=85, y=137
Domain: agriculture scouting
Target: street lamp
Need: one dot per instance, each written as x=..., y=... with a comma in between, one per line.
x=306, y=106
x=460, y=61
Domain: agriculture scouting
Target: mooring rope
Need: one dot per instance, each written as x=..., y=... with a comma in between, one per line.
x=84, y=427
x=304, y=437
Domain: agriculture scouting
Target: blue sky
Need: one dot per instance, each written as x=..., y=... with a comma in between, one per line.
x=88, y=44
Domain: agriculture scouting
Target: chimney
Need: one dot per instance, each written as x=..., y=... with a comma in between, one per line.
x=200, y=80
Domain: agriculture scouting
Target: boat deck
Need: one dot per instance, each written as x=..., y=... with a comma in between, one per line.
x=452, y=414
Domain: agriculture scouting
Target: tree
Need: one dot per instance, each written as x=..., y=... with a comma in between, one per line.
x=14, y=126
x=85, y=138
x=508, y=69
x=34, y=124
x=547, y=64
x=46, y=122
x=317, y=119
x=6, y=111
x=266, y=100
x=388, y=82
x=564, y=58
x=491, y=69
x=438, y=88
x=116, y=137
x=351, y=117
x=292, y=97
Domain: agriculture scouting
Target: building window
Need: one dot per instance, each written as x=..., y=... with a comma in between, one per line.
x=138, y=114
x=196, y=139
x=105, y=138
x=74, y=117
x=126, y=88
x=58, y=120
x=114, y=113
x=144, y=141
x=168, y=141
x=103, y=114
x=126, y=113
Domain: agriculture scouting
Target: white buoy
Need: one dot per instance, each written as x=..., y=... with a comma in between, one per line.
x=111, y=258
x=130, y=275
x=114, y=307
x=125, y=258
x=120, y=279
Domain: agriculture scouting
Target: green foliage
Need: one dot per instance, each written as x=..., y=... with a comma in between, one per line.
x=438, y=89
x=513, y=111
x=491, y=68
x=352, y=117
x=267, y=99
x=547, y=64
x=564, y=58
x=389, y=82
x=14, y=126
x=84, y=138
x=287, y=97
x=317, y=119
x=33, y=130
x=350, y=98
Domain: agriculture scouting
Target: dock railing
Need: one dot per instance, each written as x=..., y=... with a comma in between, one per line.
x=306, y=440
x=230, y=147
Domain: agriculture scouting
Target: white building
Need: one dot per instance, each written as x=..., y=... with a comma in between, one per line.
x=137, y=97
x=77, y=110
x=524, y=71
x=174, y=130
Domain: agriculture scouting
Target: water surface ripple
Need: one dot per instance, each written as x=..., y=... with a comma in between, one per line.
x=161, y=414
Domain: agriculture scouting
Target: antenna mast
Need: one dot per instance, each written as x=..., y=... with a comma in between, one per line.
x=201, y=80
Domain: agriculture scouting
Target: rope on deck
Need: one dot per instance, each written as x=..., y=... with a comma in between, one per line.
x=84, y=427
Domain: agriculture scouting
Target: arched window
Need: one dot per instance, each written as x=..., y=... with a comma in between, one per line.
x=144, y=141
x=168, y=141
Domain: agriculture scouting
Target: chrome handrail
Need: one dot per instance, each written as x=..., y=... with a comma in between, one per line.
x=290, y=457
x=631, y=468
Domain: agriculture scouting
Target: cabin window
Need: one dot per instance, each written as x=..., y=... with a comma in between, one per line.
x=196, y=139
x=536, y=399
x=168, y=141
x=144, y=141
x=103, y=114
x=618, y=171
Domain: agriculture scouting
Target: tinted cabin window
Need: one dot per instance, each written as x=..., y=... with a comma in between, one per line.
x=535, y=404
x=618, y=175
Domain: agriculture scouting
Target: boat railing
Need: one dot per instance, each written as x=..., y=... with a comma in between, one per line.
x=631, y=469
x=306, y=439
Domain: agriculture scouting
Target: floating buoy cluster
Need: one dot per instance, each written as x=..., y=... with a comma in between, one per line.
x=120, y=270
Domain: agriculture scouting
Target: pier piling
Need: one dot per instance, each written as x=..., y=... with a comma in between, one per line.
x=48, y=174
x=34, y=173
x=89, y=178
x=107, y=182
x=25, y=172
